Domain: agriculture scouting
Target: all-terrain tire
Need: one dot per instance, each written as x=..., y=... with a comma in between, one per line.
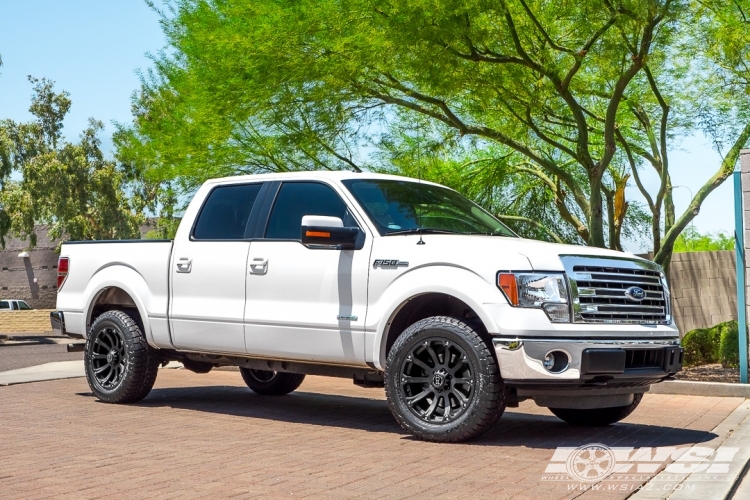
x=438, y=363
x=120, y=365
x=271, y=383
x=597, y=417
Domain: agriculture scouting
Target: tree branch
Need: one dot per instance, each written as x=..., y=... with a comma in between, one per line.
x=533, y=222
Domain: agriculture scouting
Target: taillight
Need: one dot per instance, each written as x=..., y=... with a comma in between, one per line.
x=63, y=265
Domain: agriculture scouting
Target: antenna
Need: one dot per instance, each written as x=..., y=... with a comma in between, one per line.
x=419, y=187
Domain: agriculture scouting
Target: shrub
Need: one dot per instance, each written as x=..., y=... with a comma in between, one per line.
x=729, y=349
x=702, y=346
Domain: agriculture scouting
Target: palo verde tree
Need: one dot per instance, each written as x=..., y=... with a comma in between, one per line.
x=70, y=186
x=556, y=98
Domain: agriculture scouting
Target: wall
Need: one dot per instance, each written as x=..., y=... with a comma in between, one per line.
x=17, y=274
x=36, y=321
x=704, y=288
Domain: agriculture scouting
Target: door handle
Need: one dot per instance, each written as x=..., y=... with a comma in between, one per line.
x=259, y=265
x=184, y=265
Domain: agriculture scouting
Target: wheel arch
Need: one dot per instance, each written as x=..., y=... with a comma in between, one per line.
x=427, y=294
x=118, y=287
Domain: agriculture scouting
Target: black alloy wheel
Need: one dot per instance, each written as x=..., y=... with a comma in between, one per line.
x=437, y=380
x=120, y=365
x=270, y=383
x=442, y=381
x=108, y=357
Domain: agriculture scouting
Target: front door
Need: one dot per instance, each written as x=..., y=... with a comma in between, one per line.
x=306, y=303
x=208, y=273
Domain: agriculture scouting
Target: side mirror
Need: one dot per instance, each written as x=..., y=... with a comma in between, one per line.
x=321, y=231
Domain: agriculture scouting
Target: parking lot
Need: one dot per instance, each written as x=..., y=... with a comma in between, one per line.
x=199, y=436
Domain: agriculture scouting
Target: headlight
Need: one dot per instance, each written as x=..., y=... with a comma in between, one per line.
x=546, y=291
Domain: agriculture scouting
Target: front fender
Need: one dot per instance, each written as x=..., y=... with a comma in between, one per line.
x=131, y=282
x=457, y=282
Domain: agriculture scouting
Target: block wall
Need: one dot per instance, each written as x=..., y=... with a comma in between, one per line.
x=704, y=288
x=19, y=322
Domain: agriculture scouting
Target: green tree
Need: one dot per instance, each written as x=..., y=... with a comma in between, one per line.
x=70, y=186
x=690, y=240
x=556, y=100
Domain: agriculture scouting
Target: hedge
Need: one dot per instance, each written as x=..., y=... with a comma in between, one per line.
x=718, y=344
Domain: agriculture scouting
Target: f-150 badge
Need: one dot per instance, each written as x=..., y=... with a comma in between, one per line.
x=389, y=264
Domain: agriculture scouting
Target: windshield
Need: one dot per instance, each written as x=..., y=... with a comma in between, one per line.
x=398, y=207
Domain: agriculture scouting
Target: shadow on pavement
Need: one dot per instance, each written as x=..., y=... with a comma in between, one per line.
x=515, y=428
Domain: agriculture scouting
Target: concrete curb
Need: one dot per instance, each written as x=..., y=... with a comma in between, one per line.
x=692, y=388
x=16, y=340
x=40, y=373
x=733, y=432
x=52, y=371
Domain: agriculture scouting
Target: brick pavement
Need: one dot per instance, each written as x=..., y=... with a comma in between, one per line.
x=200, y=436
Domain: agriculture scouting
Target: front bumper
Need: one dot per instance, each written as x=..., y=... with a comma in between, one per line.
x=591, y=363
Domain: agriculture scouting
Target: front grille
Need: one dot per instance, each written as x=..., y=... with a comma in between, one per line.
x=599, y=292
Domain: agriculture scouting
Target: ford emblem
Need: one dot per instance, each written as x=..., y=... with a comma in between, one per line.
x=635, y=293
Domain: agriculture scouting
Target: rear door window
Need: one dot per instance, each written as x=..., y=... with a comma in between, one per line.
x=225, y=213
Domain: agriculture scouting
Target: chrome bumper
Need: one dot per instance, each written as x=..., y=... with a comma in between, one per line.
x=521, y=361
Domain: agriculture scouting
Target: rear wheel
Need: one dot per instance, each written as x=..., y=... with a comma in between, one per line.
x=271, y=383
x=597, y=417
x=120, y=365
x=442, y=382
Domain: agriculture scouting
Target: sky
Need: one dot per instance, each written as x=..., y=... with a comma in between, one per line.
x=95, y=48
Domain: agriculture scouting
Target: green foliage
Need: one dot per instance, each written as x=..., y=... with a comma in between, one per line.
x=70, y=186
x=702, y=346
x=718, y=344
x=729, y=351
x=692, y=241
x=541, y=110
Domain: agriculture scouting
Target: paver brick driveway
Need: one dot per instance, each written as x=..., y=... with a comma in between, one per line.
x=208, y=436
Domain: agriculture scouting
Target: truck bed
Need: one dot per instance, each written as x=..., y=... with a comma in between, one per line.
x=94, y=263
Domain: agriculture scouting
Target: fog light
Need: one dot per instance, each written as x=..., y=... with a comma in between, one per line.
x=556, y=361
x=557, y=313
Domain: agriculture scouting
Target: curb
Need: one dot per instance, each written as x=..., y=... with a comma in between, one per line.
x=692, y=388
x=734, y=432
x=18, y=340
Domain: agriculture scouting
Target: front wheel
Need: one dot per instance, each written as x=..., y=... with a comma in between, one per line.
x=120, y=365
x=597, y=417
x=442, y=382
x=271, y=383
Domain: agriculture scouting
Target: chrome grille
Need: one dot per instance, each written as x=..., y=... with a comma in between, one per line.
x=599, y=290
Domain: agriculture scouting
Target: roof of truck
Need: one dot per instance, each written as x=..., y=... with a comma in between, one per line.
x=338, y=175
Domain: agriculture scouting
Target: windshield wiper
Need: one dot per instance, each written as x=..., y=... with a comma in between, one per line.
x=491, y=234
x=421, y=231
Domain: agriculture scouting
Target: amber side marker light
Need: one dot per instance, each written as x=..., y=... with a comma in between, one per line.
x=507, y=282
x=317, y=234
x=63, y=265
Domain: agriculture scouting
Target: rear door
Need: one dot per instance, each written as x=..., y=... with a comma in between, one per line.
x=209, y=271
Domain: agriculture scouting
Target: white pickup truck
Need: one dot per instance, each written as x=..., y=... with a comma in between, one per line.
x=382, y=279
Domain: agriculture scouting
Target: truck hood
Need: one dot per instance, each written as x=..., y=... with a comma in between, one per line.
x=486, y=254
x=545, y=256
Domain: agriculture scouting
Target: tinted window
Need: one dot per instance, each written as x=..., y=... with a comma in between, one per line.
x=23, y=305
x=14, y=305
x=297, y=199
x=4, y=304
x=225, y=213
x=397, y=207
